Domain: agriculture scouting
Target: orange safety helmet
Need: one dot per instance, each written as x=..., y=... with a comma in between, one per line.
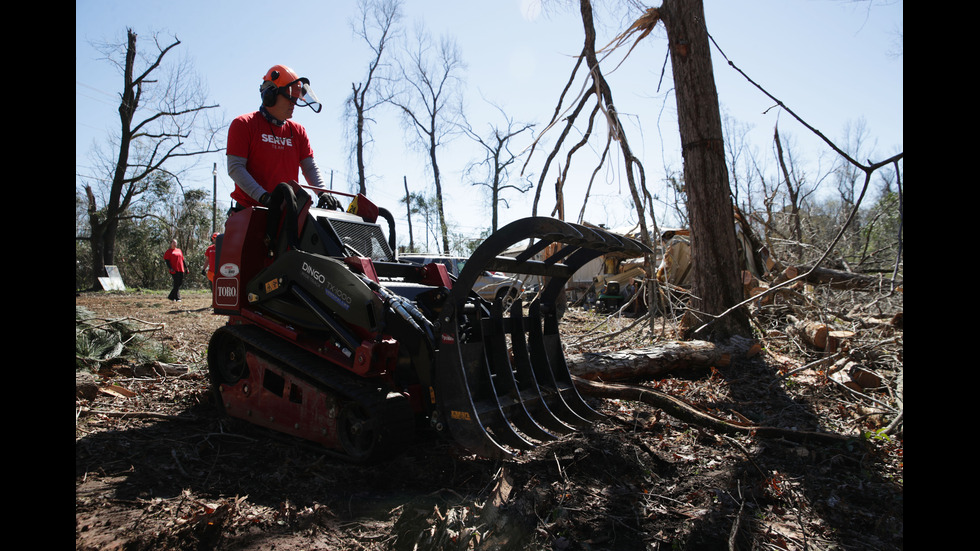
x=281, y=80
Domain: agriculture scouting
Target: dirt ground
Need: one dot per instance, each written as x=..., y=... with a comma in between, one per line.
x=158, y=467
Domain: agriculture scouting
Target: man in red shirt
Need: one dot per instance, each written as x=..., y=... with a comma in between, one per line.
x=266, y=149
x=175, y=262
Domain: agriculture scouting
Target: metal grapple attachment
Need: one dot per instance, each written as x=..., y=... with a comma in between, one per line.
x=500, y=375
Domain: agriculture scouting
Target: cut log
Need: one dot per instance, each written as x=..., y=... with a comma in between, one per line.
x=836, y=339
x=789, y=273
x=658, y=360
x=813, y=333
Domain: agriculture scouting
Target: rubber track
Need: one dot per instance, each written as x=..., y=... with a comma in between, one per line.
x=396, y=421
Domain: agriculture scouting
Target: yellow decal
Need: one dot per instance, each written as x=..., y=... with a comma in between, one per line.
x=465, y=416
x=271, y=285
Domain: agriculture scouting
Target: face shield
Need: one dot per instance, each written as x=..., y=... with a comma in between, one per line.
x=300, y=93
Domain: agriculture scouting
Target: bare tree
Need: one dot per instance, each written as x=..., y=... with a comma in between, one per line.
x=742, y=162
x=847, y=176
x=798, y=189
x=410, y=208
x=431, y=102
x=493, y=171
x=419, y=203
x=376, y=29
x=171, y=112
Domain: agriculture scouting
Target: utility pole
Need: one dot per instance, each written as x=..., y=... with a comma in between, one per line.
x=214, y=200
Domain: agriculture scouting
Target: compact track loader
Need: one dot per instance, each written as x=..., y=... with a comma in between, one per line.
x=332, y=339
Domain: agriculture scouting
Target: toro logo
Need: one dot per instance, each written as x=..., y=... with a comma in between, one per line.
x=226, y=291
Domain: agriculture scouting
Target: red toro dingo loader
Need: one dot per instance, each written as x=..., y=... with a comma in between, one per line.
x=332, y=339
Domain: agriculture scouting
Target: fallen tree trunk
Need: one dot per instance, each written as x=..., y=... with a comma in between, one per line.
x=835, y=279
x=658, y=360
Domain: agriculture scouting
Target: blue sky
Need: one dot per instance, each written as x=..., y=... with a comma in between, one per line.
x=834, y=62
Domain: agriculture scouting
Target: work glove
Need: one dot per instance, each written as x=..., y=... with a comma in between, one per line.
x=265, y=199
x=328, y=201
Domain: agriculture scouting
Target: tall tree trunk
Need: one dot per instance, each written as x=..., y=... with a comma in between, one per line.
x=717, y=285
x=96, y=238
x=495, y=192
x=793, y=190
x=358, y=96
x=440, y=208
x=104, y=226
x=408, y=208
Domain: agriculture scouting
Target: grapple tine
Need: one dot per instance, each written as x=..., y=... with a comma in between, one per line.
x=506, y=411
x=487, y=385
x=528, y=385
x=457, y=405
x=496, y=394
x=556, y=390
x=499, y=358
x=551, y=340
x=556, y=359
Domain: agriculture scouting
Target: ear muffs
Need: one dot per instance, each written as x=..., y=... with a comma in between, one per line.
x=269, y=93
x=269, y=90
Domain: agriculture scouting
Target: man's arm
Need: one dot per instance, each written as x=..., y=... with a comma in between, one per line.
x=311, y=172
x=241, y=177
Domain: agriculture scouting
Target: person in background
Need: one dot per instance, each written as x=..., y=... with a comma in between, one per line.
x=174, y=258
x=208, y=269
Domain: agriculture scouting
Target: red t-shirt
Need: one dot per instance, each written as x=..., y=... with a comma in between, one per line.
x=175, y=259
x=273, y=152
x=209, y=254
